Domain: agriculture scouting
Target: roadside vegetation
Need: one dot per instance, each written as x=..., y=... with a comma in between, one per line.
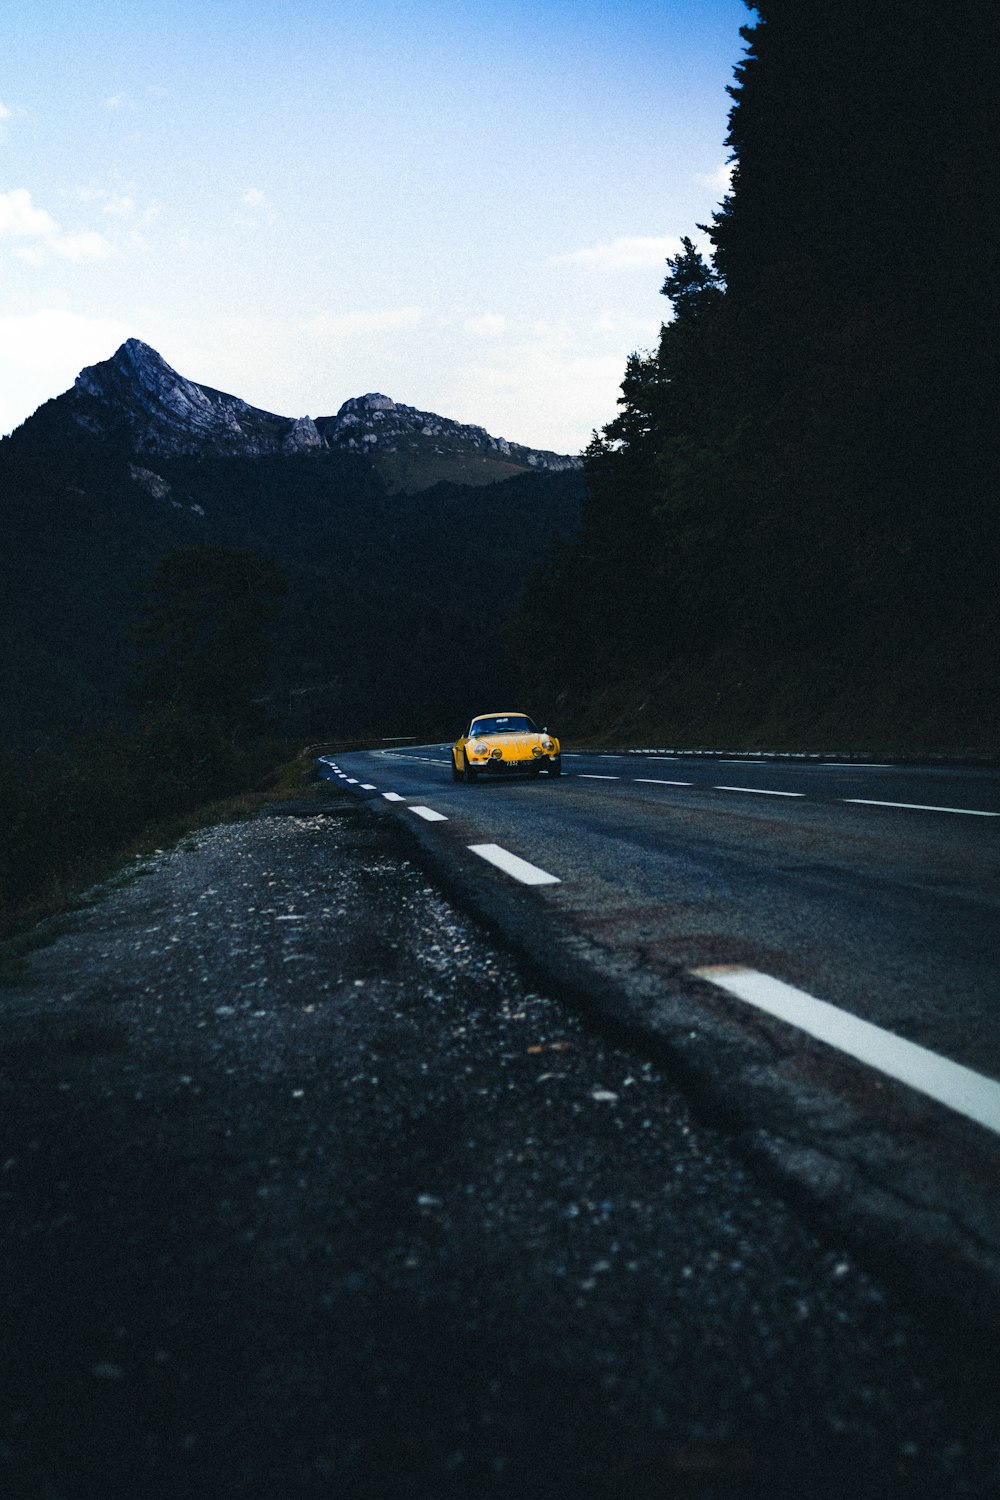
x=791, y=535
x=194, y=746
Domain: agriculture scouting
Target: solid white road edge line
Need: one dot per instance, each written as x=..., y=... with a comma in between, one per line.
x=758, y=791
x=593, y=776
x=512, y=864
x=427, y=813
x=970, y=812
x=950, y=1083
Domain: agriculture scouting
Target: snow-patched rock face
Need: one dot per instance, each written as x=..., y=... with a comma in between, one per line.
x=137, y=392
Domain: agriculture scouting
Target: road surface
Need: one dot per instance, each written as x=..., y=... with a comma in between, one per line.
x=816, y=941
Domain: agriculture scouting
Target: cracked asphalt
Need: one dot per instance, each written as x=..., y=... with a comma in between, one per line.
x=305, y=1190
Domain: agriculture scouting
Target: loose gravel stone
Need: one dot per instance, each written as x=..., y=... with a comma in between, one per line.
x=306, y=1191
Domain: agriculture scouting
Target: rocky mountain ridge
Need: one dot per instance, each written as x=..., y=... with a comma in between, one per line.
x=136, y=395
x=382, y=543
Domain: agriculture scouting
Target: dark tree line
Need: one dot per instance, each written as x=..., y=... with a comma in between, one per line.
x=792, y=529
x=197, y=733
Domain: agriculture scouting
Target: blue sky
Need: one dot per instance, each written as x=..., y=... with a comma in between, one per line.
x=466, y=204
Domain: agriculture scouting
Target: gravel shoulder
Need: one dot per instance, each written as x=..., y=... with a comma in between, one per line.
x=306, y=1190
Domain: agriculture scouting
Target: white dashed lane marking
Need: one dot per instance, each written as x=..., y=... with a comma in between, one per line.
x=512, y=864
x=428, y=814
x=950, y=1083
x=969, y=812
x=758, y=791
x=761, y=791
x=393, y=797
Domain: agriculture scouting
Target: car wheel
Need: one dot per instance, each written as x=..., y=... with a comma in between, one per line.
x=471, y=774
x=555, y=767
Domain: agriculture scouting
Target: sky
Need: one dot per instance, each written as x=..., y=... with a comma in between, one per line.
x=464, y=204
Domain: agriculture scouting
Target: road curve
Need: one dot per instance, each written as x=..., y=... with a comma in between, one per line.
x=725, y=905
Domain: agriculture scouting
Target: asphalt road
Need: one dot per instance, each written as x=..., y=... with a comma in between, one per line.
x=872, y=888
x=308, y=1189
x=890, y=912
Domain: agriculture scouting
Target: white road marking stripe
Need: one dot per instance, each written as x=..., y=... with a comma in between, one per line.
x=856, y=765
x=428, y=814
x=393, y=797
x=352, y=781
x=758, y=791
x=594, y=776
x=368, y=786
x=969, y=812
x=655, y=781
x=959, y=1088
x=512, y=864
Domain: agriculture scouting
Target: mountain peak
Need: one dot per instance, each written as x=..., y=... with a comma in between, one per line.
x=163, y=412
x=134, y=351
x=377, y=425
x=136, y=397
x=133, y=361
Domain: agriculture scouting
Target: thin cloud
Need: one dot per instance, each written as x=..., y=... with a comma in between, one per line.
x=36, y=234
x=20, y=219
x=548, y=386
x=255, y=209
x=87, y=245
x=489, y=326
x=120, y=207
x=116, y=205
x=721, y=179
x=627, y=253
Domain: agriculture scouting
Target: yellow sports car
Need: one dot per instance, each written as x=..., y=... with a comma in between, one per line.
x=499, y=744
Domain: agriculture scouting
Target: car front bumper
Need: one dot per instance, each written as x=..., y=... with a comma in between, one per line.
x=506, y=767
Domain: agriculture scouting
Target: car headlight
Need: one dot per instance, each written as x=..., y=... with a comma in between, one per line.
x=548, y=744
x=536, y=751
x=496, y=754
x=480, y=749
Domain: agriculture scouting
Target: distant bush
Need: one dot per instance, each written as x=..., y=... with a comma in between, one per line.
x=70, y=813
x=196, y=736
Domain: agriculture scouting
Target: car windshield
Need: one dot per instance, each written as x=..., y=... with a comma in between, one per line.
x=502, y=724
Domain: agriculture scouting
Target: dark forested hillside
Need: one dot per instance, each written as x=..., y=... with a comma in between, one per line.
x=172, y=622
x=377, y=629
x=792, y=531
